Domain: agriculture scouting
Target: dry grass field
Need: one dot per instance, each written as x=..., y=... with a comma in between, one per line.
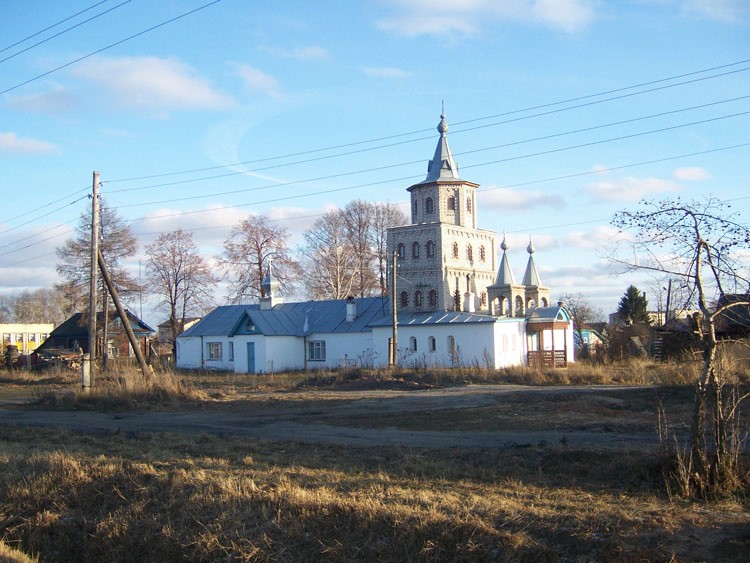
x=72, y=494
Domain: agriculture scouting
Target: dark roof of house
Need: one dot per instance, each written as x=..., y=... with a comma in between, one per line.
x=291, y=319
x=77, y=325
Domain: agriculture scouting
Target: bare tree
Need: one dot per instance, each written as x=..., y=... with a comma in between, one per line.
x=347, y=250
x=41, y=306
x=700, y=243
x=331, y=265
x=358, y=220
x=180, y=277
x=117, y=243
x=248, y=253
x=385, y=216
x=581, y=311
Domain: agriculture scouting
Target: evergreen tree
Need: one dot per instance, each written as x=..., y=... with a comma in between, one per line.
x=633, y=307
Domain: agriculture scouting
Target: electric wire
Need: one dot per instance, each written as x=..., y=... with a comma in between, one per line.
x=115, y=44
x=409, y=163
x=334, y=190
x=53, y=26
x=728, y=65
x=455, y=124
x=51, y=37
x=18, y=216
x=480, y=190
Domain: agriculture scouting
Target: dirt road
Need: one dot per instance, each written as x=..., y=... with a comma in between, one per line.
x=489, y=413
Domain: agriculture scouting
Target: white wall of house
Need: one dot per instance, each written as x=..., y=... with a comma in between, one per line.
x=449, y=345
x=189, y=353
x=342, y=349
x=272, y=354
x=511, y=347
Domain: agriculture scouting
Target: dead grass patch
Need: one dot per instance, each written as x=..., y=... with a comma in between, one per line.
x=168, y=497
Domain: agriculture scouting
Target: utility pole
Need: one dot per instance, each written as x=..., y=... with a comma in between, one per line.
x=394, y=339
x=89, y=382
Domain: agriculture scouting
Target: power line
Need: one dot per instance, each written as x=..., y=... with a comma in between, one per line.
x=52, y=26
x=505, y=145
x=120, y=42
x=51, y=37
x=10, y=219
x=481, y=190
x=458, y=123
x=588, y=172
x=422, y=138
x=331, y=176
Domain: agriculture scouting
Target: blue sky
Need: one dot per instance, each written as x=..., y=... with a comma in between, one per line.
x=564, y=111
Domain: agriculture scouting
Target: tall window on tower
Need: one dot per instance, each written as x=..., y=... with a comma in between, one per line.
x=430, y=249
x=429, y=207
x=415, y=250
x=451, y=203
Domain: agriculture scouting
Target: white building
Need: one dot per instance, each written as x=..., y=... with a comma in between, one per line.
x=455, y=306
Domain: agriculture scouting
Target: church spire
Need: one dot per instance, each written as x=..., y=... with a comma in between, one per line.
x=504, y=272
x=531, y=277
x=442, y=166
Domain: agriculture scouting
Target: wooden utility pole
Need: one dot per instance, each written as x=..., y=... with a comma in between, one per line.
x=124, y=320
x=394, y=306
x=93, y=283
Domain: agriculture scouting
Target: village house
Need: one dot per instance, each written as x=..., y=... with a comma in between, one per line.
x=26, y=337
x=455, y=305
x=73, y=336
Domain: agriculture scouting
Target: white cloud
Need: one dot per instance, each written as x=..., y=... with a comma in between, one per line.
x=155, y=83
x=55, y=101
x=720, y=10
x=412, y=18
x=594, y=239
x=10, y=142
x=692, y=174
x=629, y=189
x=258, y=81
x=385, y=72
x=504, y=199
x=309, y=53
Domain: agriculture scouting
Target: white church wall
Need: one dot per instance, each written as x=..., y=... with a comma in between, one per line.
x=510, y=343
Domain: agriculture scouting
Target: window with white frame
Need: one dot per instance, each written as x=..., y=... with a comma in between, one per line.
x=316, y=350
x=413, y=344
x=432, y=343
x=214, y=351
x=231, y=351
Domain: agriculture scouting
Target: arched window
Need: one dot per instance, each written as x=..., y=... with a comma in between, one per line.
x=430, y=249
x=415, y=250
x=404, y=299
x=413, y=344
x=455, y=250
x=418, y=300
x=429, y=207
x=482, y=254
x=433, y=298
x=432, y=344
x=451, y=203
x=484, y=298
x=401, y=250
x=469, y=253
x=468, y=204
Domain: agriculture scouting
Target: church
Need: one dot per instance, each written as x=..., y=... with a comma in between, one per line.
x=454, y=304
x=447, y=263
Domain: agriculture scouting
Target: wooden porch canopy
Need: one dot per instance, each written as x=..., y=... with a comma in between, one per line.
x=544, y=349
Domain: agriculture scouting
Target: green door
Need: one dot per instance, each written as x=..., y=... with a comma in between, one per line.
x=251, y=357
